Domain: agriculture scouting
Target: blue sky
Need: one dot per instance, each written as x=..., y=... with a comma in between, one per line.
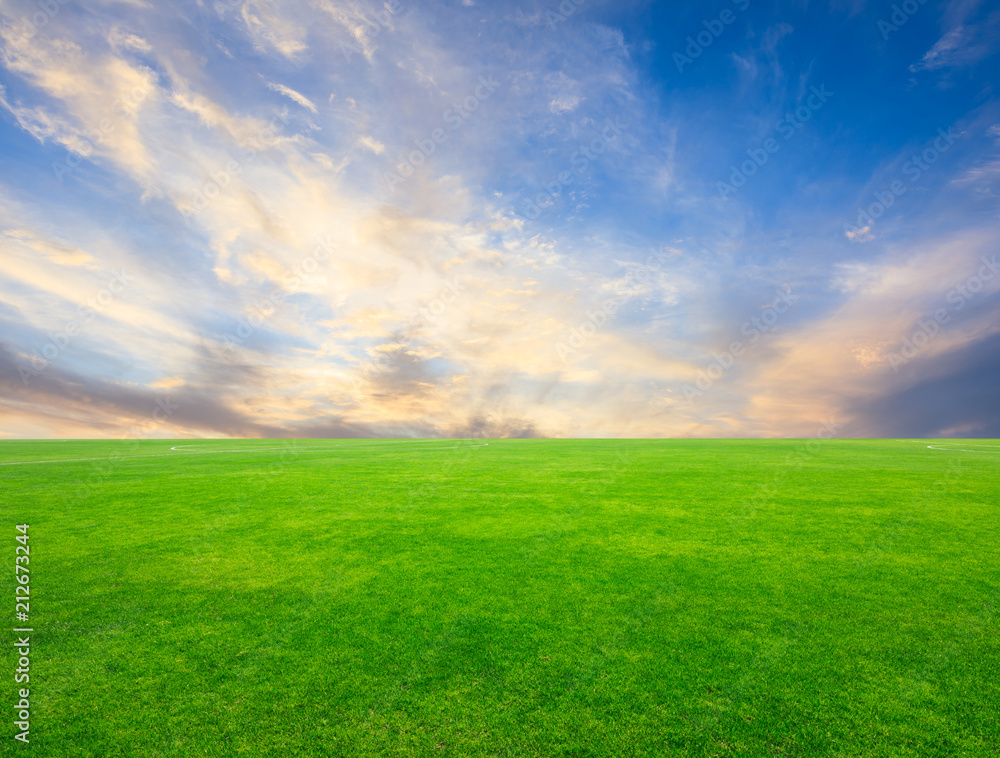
x=464, y=218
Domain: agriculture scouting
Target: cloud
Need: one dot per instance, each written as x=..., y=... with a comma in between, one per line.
x=864, y=234
x=292, y=94
x=270, y=29
x=121, y=40
x=962, y=45
x=564, y=103
x=372, y=144
x=282, y=288
x=957, y=396
x=945, y=51
x=99, y=97
x=884, y=303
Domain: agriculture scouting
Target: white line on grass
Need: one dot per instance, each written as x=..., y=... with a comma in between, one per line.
x=963, y=450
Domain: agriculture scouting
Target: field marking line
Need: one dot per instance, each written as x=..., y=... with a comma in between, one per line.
x=211, y=452
x=941, y=443
x=963, y=450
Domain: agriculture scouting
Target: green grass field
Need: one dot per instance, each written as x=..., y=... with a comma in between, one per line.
x=521, y=598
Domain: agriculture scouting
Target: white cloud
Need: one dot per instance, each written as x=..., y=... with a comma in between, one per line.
x=564, y=103
x=122, y=40
x=372, y=144
x=301, y=99
x=270, y=29
x=864, y=234
x=959, y=46
x=944, y=51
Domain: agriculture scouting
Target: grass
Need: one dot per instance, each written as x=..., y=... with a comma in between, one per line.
x=525, y=598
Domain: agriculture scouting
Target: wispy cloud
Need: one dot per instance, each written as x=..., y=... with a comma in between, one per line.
x=299, y=98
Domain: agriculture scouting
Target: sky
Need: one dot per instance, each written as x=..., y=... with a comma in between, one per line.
x=459, y=218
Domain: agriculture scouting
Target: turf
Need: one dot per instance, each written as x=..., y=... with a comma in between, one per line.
x=524, y=598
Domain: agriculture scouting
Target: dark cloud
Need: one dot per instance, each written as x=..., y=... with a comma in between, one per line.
x=401, y=373
x=57, y=394
x=103, y=404
x=959, y=390
x=491, y=427
x=338, y=429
